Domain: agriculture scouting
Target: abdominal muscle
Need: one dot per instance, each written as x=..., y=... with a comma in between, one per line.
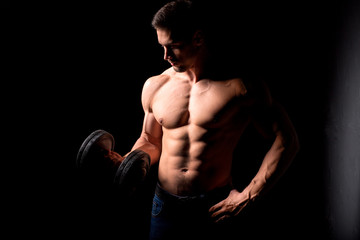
x=195, y=161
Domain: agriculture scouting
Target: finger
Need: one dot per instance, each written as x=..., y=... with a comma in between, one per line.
x=214, y=210
x=238, y=211
x=217, y=213
x=220, y=212
x=222, y=218
x=216, y=207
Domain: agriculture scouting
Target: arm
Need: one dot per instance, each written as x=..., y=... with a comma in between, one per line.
x=280, y=155
x=272, y=122
x=150, y=140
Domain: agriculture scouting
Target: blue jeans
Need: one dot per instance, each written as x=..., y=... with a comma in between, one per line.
x=178, y=217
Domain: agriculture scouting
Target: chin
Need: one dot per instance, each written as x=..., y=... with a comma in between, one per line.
x=179, y=69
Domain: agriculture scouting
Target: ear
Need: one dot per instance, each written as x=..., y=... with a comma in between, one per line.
x=198, y=38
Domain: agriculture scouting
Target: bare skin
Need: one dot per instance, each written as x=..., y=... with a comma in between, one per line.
x=192, y=125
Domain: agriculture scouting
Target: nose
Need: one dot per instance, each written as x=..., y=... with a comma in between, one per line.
x=167, y=55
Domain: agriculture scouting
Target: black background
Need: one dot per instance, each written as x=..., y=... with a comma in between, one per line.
x=74, y=68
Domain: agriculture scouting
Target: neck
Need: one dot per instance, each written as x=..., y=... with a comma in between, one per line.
x=198, y=69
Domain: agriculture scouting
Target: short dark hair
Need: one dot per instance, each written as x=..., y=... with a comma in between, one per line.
x=180, y=17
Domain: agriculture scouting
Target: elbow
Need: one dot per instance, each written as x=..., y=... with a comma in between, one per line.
x=295, y=143
x=292, y=144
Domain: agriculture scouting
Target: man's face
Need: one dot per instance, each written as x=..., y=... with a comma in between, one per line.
x=179, y=54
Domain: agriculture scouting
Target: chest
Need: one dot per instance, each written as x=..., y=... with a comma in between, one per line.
x=205, y=103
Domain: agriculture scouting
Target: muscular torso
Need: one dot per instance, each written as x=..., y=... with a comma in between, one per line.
x=201, y=124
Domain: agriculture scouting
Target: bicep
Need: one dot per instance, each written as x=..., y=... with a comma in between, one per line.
x=269, y=117
x=272, y=121
x=150, y=139
x=151, y=128
x=263, y=111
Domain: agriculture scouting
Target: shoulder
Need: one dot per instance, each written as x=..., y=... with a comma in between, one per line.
x=151, y=87
x=153, y=83
x=258, y=90
x=239, y=86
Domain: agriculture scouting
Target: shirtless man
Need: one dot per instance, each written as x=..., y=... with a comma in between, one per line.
x=192, y=125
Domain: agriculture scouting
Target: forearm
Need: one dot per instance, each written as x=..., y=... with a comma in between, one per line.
x=274, y=165
x=150, y=145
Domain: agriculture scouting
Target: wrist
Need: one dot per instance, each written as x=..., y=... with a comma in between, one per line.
x=254, y=189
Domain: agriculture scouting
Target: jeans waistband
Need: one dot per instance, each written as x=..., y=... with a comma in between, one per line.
x=216, y=194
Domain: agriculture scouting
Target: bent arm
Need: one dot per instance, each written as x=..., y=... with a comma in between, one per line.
x=150, y=138
x=279, y=156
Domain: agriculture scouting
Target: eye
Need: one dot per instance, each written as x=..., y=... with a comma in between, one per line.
x=176, y=46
